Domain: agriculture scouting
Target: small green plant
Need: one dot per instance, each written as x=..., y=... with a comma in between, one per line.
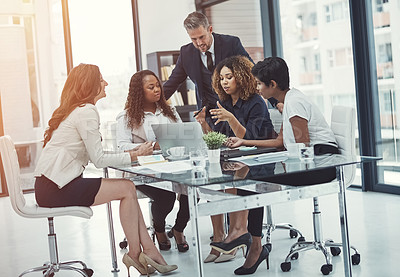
x=214, y=140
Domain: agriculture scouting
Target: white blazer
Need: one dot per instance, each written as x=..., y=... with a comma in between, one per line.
x=128, y=138
x=76, y=141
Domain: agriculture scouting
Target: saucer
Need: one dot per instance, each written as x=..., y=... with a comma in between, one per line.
x=177, y=158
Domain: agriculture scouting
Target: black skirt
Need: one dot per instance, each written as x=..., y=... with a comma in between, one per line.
x=78, y=192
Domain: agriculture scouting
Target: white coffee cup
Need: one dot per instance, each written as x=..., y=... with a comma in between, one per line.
x=306, y=152
x=293, y=150
x=178, y=151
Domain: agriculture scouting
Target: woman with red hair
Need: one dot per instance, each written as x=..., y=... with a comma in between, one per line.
x=72, y=139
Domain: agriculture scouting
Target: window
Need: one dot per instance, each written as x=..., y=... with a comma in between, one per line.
x=385, y=52
x=336, y=11
x=379, y=5
x=317, y=62
x=241, y=18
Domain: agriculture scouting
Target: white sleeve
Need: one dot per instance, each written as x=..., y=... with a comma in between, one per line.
x=87, y=124
x=124, y=135
x=297, y=107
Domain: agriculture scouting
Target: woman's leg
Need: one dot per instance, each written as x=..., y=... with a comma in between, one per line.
x=237, y=221
x=237, y=225
x=255, y=224
x=218, y=230
x=162, y=205
x=130, y=214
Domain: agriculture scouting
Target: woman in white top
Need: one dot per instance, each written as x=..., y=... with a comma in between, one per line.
x=302, y=123
x=146, y=105
x=72, y=139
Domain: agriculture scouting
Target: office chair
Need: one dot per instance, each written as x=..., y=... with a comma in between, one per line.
x=343, y=127
x=32, y=210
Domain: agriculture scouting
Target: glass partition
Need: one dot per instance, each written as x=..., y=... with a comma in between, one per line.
x=317, y=47
x=385, y=21
x=102, y=34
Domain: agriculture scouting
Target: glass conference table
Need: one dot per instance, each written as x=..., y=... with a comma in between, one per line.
x=246, y=174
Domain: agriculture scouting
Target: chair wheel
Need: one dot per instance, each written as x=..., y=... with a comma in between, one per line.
x=355, y=259
x=88, y=271
x=286, y=266
x=295, y=256
x=293, y=234
x=44, y=271
x=300, y=239
x=123, y=244
x=326, y=269
x=336, y=251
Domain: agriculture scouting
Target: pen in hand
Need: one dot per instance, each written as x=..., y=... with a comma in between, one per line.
x=197, y=112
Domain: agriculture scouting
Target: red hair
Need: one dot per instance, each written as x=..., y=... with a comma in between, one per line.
x=81, y=87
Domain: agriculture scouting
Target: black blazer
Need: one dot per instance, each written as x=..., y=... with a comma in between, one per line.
x=189, y=64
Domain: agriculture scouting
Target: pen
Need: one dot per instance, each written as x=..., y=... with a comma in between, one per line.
x=197, y=112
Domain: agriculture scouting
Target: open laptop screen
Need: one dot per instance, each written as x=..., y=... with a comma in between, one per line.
x=188, y=134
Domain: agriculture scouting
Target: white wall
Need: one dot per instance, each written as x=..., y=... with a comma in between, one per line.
x=161, y=25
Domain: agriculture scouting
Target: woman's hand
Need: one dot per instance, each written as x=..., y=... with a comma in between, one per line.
x=201, y=116
x=279, y=107
x=221, y=114
x=233, y=142
x=145, y=149
x=232, y=166
x=156, y=146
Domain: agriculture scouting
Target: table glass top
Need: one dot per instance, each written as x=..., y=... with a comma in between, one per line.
x=254, y=168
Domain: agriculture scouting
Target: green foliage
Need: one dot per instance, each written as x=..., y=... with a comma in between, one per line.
x=214, y=140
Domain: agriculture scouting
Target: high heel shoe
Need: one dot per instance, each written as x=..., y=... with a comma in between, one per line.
x=210, y=258
x=163, y=245
x=146, y=261
x=182, y=247
x=128, y=261
x=243, y=240
x=264, y=255
x=228, y=257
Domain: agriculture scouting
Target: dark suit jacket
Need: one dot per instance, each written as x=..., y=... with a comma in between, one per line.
x=189, y=64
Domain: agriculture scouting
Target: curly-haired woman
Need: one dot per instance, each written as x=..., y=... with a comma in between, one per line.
x=242, y=113
x=72, y=139
x=146, y=105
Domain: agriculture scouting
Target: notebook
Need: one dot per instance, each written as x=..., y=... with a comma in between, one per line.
x=188, y=134
x=245, y=151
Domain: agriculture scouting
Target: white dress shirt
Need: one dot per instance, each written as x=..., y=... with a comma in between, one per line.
x=130, y=138
x=204, y=56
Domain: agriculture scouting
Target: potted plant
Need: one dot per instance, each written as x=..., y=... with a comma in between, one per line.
x=214, y=140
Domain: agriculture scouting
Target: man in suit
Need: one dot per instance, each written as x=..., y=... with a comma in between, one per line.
x=198, y=59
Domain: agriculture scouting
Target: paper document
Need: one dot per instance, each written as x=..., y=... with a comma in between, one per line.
x=265, y=158
x=168, y=167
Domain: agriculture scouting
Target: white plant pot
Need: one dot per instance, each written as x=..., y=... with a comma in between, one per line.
x=214, y=155
x=215, y=170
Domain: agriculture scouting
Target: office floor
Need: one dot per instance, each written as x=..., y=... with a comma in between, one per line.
x=373, y=222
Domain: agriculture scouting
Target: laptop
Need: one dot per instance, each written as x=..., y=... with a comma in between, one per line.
x=228, y=153
x=188, y=134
